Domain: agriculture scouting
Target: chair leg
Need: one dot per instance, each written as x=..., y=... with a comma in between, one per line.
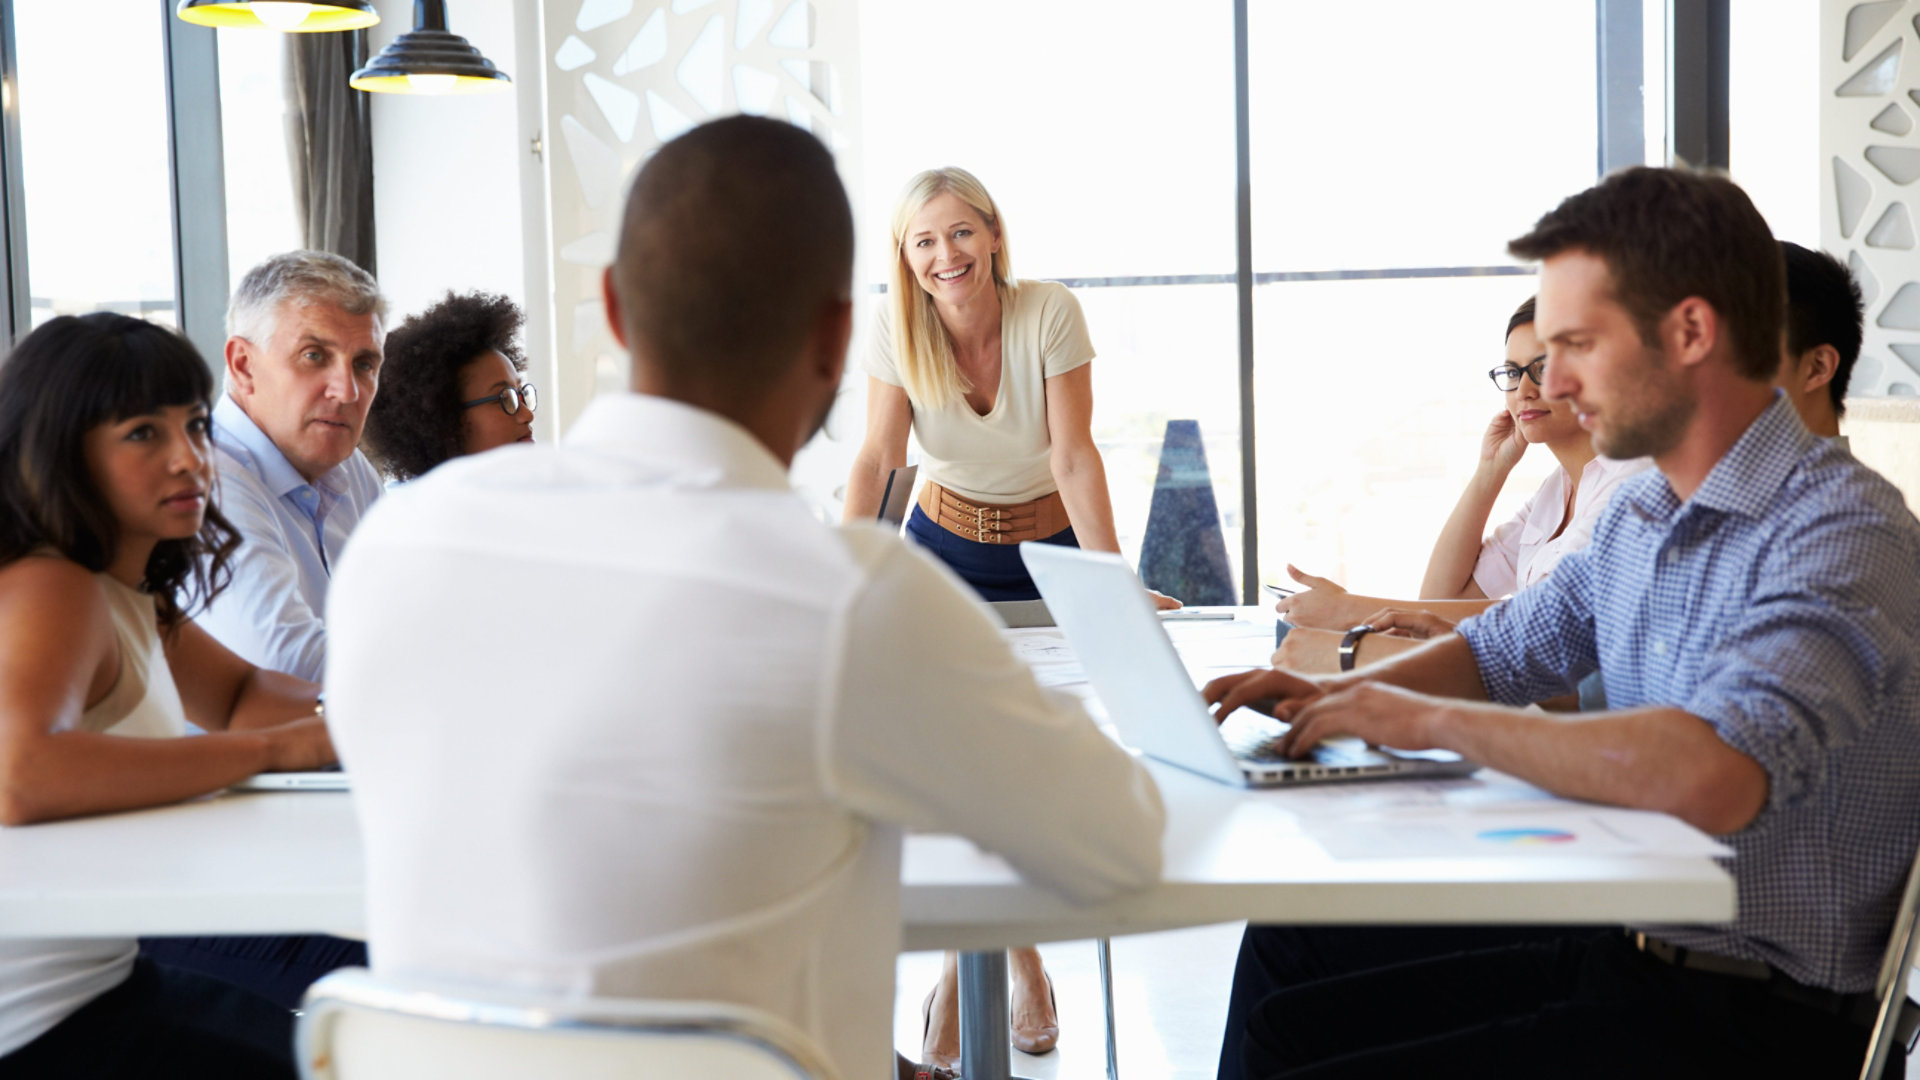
x=1106, y=996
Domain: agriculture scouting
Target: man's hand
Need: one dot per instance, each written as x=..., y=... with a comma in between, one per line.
x=1306, y=651
x=1411, y=624
x=1381, y=715
x=1266, y=690
x=1163, y=602
x=1322, y=605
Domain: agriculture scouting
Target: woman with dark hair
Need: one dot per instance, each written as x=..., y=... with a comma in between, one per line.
x=1470, y=572
x=451, y=385
x=108, y=541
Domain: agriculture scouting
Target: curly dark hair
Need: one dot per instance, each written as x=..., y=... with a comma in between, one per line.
x=61, y=381
x=415, y=420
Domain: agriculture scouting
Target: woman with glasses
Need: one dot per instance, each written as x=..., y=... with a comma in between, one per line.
x=451, y=385
x=109, y=540
x=1469, y=572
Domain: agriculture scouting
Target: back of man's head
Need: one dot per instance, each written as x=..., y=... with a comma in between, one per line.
x=1824, y=307
x=1668, y=234
x=737, y=237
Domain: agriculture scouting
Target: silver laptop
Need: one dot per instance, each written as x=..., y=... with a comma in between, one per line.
x=333, y=779
x=1152, y=701
x=897, y=499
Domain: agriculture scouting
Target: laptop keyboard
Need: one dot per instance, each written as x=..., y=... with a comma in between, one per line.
x=1254, y=741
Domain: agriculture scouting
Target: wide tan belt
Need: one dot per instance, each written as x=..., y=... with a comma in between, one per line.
x=988, y=523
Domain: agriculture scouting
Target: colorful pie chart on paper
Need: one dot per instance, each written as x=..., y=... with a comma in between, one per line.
x=1527, y=837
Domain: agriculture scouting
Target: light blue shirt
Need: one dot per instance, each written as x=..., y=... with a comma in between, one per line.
x=1778, y=605
x=273, y=612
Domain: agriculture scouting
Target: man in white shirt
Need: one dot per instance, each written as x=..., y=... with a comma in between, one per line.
x=303, y=359
x=304, y=331
x=624, y=719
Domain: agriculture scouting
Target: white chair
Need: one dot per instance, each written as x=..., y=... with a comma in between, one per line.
x=1898, y=1023
x=356, y=1026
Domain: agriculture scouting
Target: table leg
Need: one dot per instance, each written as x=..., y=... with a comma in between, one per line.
x=985, y=1047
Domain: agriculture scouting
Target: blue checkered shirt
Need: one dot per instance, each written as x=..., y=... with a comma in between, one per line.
x=1779, y=605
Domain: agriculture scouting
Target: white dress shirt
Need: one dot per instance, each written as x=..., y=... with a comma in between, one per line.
x=1525, y=550
x=291, y=532
x=624, y=719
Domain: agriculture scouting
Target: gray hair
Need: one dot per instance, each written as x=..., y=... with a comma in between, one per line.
x=305, y=277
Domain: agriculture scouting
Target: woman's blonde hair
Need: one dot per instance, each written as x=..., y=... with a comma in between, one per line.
x=922, y=348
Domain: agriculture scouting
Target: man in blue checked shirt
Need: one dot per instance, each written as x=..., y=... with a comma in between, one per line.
x=1753, y=609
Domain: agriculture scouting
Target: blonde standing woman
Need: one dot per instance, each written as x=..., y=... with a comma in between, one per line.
x=993, y=375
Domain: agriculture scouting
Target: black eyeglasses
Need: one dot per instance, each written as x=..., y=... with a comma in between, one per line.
x=510, y=399
x=1507, y=377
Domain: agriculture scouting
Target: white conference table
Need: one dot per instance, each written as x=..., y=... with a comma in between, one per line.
x=290, y=862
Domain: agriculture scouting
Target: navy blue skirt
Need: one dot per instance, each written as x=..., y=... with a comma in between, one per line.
x=994, y=570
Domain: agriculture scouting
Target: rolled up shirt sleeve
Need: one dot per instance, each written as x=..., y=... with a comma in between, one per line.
x=1809, y=662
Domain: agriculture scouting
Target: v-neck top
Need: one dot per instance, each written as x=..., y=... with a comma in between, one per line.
x=1001, y=457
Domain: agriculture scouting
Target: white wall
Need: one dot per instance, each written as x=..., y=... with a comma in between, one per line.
x=1870, y=154
x=459, y=194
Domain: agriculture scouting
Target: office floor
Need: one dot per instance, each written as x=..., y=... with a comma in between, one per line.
x=1170, y=999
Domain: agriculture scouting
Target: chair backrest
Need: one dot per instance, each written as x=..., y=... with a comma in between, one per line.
x=357, y=1026
x=1890, y=1035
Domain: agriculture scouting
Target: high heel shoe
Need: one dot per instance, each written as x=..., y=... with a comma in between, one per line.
x=936, y=1056
x=1043, y=1037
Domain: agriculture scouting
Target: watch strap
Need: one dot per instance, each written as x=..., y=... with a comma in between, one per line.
x=1350, y=643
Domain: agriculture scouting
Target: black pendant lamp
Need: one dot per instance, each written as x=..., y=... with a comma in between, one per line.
x=290, y=16
x=430, y=60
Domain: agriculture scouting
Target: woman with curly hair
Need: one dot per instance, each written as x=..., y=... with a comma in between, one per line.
x=451, y=385
x=108, y=540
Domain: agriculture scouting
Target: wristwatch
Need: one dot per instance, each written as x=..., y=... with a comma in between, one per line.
x=1351, y=642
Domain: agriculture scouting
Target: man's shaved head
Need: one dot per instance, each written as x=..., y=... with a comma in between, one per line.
x=737, y=236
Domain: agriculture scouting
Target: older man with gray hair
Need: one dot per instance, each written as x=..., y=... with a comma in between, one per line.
x=303, y=360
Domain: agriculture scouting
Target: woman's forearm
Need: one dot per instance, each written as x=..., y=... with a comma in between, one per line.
x=270, y=698
x=866, y=483
x=1450, y=570
x=1082, y=479
x=68, y=774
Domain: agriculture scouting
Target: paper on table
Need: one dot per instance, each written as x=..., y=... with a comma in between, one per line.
x=1045, y=650
x=1544, y=831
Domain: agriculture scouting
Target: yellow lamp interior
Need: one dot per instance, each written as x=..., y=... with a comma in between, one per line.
x=302, y=18
x=428, y=84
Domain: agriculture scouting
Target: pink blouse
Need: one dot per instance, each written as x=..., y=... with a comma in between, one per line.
x=1524, y=551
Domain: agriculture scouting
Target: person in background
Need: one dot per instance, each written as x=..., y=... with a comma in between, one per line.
x=1751, y=603
x=304, y=332
x=303, y=362
x=109, y=540
x=1825, y=320
x=451, y=384
x=1466, y=573
x=677, y=758
x=994, y=377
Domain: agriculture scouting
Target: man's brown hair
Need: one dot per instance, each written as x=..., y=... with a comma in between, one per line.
x=1667, y=234
x=736, y=236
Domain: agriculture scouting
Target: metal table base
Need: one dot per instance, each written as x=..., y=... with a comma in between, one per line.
x=986, y=1049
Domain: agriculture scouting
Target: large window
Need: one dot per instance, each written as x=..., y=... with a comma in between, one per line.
x=253, y=126
x=1108, y=143
x=1388, y=176
x=95, y=167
